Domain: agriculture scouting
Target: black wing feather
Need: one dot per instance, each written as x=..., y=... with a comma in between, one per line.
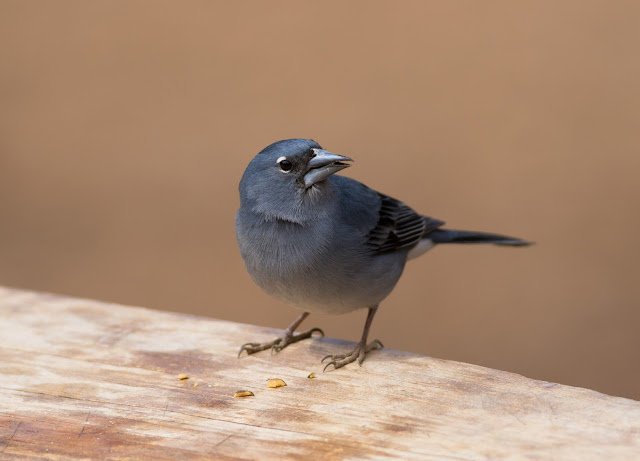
x=399, y=226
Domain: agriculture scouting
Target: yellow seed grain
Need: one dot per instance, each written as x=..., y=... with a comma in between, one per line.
x=243, y=394
x=275, y=382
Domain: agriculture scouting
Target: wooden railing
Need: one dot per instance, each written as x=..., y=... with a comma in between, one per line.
x=88, y=379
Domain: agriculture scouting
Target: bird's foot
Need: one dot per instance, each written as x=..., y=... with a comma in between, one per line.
x=359, y=353
x=279, y=343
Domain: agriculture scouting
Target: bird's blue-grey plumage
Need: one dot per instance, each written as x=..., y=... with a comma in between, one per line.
x=327, y=243
x=312, y=247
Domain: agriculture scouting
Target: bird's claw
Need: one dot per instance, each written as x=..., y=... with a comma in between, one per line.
x=250, y=348
x=316, y=330
x=276, y=345
x=333, y=362
x=279, y=343
x=358, y=353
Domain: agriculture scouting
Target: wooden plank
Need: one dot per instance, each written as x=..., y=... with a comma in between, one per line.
x=91, y=380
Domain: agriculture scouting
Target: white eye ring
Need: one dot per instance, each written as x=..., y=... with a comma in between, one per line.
x=283, y=159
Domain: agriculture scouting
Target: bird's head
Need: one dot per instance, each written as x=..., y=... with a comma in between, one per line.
x=295, y=161
x=287, y=174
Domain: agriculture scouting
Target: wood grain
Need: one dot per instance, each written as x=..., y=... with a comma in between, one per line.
x=90, y=380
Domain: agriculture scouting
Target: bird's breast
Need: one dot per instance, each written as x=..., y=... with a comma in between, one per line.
x=315, y=268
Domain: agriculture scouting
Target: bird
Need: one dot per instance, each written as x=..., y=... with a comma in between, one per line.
x=327, y=243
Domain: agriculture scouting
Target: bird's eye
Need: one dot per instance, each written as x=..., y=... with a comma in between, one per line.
x=285, y=165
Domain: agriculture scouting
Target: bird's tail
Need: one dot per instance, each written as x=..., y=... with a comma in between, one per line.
x=458, y=236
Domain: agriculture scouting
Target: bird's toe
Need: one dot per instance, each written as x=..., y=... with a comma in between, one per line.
x=359, y=353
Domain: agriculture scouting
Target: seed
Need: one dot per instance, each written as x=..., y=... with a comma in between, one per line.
x=243, y=394
x=275, y=382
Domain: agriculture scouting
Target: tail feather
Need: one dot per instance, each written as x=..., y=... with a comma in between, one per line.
x=458, y=236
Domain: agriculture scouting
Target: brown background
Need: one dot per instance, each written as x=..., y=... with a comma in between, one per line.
x=125, y=127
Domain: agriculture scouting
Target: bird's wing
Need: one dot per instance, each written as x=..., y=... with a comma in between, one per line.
x=399, y=226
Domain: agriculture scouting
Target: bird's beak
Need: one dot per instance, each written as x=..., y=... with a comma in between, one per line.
x=323, y=165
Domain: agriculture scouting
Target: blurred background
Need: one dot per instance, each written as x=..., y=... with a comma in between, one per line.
x=125, y=127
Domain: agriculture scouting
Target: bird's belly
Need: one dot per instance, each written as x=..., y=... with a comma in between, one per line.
x=314, y=279
x=315, y=291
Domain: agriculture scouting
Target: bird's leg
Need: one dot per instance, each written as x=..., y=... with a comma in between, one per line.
x=283, y=341
x=361, y=349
